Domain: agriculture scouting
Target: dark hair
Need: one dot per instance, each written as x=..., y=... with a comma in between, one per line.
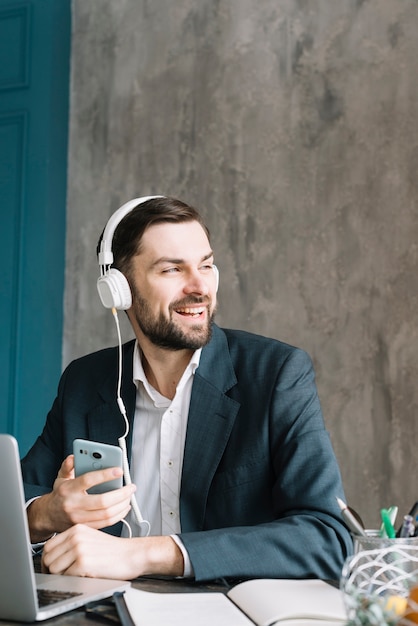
x=128, y=234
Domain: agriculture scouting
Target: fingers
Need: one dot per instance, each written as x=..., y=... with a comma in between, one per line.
x=63, y=551
x=71, y=504
x=91, y=479
x=100, y=511
x=82, y=551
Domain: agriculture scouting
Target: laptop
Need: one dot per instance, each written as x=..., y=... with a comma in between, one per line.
x=20, y=586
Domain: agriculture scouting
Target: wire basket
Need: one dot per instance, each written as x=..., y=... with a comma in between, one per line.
x=375, y=582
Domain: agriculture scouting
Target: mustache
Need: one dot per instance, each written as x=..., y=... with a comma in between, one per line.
x=185, y=302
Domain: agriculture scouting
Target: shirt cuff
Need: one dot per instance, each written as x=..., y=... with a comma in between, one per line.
x=188, y=571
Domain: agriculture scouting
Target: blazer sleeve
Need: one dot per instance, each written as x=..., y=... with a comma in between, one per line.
x=294, y=528
x=85, y=407
x=42, y=462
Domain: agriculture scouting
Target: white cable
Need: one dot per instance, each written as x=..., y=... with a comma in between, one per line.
x=128, y=527
x=122, y=440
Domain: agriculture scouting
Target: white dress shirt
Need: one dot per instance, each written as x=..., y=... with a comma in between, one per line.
x=158, y=439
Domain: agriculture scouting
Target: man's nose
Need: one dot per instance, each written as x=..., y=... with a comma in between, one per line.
x=196, y=283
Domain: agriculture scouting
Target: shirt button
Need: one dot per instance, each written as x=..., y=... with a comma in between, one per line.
x=170, y=463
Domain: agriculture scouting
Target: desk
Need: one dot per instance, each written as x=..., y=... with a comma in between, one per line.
x=79, y=617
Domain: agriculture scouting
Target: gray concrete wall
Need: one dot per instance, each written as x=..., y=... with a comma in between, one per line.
x=293, y=126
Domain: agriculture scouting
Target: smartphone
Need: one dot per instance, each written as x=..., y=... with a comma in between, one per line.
x=92, y=455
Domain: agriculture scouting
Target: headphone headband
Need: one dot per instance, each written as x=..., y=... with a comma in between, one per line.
x=105, y=252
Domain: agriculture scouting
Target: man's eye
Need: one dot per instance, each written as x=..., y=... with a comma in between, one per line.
x=170, y=270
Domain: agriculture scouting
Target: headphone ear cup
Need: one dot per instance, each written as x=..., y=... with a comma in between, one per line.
x=216, y=272
x=114, y=290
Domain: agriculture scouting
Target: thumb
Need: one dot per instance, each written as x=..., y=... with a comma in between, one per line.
x=67, y=467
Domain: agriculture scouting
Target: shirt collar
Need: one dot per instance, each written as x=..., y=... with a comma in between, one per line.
x=139, y=374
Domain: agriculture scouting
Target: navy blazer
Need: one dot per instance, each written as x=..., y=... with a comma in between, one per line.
x=260, y=478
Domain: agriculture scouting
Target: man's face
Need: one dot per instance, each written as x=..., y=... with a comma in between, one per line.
x=174, y=286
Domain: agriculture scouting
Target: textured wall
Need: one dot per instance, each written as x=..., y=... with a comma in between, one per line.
x=293, y=127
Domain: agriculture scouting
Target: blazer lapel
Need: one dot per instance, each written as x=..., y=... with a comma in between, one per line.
x=211, y=418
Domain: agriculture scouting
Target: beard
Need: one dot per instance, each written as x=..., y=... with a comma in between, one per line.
x=165, y=333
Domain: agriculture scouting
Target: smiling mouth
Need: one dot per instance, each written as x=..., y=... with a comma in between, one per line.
x=191, y=311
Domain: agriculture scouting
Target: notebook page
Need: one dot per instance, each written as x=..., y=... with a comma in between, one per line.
x=179, y=609
x=272, y=601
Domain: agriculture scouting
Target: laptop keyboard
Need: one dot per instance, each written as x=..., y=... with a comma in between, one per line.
x=50, y=596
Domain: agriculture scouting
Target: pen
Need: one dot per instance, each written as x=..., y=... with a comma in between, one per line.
x=408, y=527
x=387, y=524
x=414, y=510
x=392, y=513
x=414, y=514
x=349, y=518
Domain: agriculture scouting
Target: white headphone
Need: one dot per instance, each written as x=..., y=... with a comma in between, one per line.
x=112, y=285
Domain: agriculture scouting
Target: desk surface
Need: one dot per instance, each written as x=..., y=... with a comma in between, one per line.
x=85, y=617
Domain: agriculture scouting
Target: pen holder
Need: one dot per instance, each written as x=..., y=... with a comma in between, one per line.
x=377, y=580
x=373, y=541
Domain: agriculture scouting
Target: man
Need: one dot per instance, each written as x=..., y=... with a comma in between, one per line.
x=233, y=467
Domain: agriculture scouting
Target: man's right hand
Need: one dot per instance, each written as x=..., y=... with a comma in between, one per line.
x=69, y=503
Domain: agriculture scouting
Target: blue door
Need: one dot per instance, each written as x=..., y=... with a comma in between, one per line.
x=34, y=92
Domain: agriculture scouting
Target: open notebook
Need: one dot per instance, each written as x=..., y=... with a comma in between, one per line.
x=20, y=586
x=264, y=602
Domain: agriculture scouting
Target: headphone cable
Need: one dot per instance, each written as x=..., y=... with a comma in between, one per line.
x=122, y=440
